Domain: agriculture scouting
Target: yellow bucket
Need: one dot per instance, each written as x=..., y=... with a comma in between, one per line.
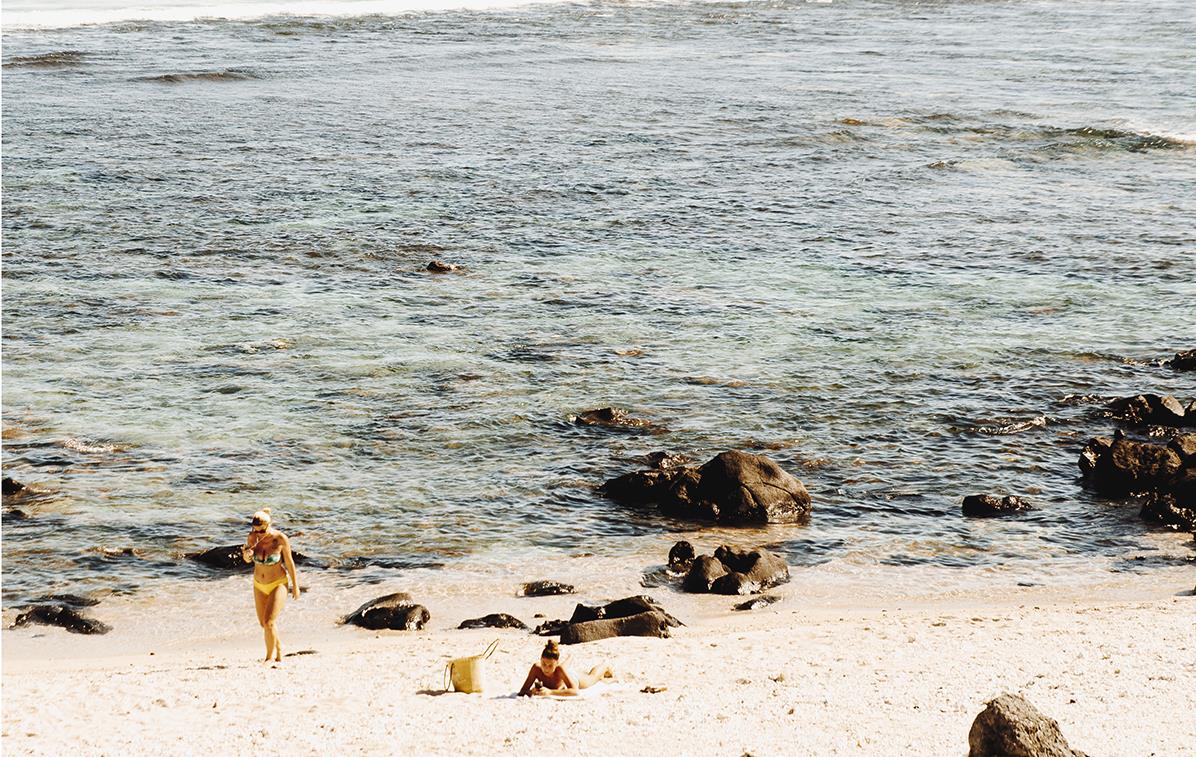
x=467, y=674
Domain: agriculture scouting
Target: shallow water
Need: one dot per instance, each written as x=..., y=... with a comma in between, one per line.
x=885, y=243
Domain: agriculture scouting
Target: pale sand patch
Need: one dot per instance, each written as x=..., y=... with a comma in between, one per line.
x=894, y=678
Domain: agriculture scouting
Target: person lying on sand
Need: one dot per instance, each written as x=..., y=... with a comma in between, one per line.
x=548, y=678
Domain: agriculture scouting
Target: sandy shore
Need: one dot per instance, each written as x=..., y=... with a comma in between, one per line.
x=860, y=676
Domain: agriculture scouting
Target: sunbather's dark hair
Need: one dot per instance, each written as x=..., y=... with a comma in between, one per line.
x=552, y=650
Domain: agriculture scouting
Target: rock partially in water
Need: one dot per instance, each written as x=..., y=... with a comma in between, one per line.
x=1162, y=476
x=12, y=487
x=1183, y=361
x=74, y=600
x=1149, y=410
x=988, y=506
x=62, y=616
x=229, y=558
x=495, y=620
x=544, y=589
x=735, y=571
x=734, y=487
x=756, y=603
x=616, y=418
x=439, y=266
x=706, y=569
x=395, y=612
x=621, y=608
x=681, y=556
x=644, y=624
x=1010, y=726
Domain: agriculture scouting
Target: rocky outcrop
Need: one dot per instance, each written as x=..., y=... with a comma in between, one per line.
x=988, y=506
x=495, y=620
x=12, y=487
x=734, y=487
x=1150, y=410
x=544, y=589
x=735, y=571
x=439, y=266
x=395, y=612
x=1163, y=477
x=616, y=418
x=1011, y=727
x=62, y=616
x=1183, y=361
x=644, y=624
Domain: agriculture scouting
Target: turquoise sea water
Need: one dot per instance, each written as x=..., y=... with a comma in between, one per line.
x=898, y=247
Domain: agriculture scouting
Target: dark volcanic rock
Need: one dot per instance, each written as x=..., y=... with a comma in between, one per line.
x=12, y=487
x=988, y=506
x=755, y=603
x=621, y=608
x=1148, y=409
x=646, y=487
x=229, y=558
x=1183, y=361
x=1011, y=727
x=74, y=600
x=705, y=571
x=495, y=620
x=644, y=624
x=544, y=589
x=392, y=611
x=616, y=418
x=1183, y=445
x=758, y=566
x=734, y=487
x=681, y=556
x=62, y=616
x=1122, y=466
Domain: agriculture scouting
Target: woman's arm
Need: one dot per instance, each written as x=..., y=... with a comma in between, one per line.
x=289, y=560
x=532, y=675
x=247, y=549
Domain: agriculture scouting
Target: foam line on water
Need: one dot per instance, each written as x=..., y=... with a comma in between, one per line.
x=30, y=14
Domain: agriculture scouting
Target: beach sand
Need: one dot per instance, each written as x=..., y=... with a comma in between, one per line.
x=1114, y=664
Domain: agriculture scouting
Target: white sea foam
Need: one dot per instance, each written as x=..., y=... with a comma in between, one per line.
x=29, y=14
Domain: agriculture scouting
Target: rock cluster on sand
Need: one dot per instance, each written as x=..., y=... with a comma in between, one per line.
x=1163, y=475
x=734, y=487
x=1011, y=727
x=735, y=571
x=62, y=616
x=988, y=506
x=630, y=616
x=393, y=611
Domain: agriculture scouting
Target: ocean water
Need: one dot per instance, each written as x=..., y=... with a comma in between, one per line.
x=902, y=248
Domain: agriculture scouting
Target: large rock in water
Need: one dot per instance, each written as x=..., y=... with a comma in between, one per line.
x=229, y=558
x=644, y=624
x=1150, y=409
x=735, y=487
x=1162, y=476
x=392, y=611
x=61, y=616
x=988, y=506
x=1011, y=727
x=1183, y=361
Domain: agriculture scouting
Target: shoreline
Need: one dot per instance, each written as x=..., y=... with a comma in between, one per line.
x=850, y=675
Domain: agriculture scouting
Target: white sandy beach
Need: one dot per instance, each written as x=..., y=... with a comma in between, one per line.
x=1114, y=664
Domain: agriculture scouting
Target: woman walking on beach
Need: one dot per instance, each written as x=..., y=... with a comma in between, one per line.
x=270, y=552
x=549, y=678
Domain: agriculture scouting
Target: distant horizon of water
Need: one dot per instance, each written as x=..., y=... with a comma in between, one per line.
x=906, y=250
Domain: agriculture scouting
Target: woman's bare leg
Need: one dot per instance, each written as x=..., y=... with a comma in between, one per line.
x=259, y=604
x=596, y=674
x=274, y=605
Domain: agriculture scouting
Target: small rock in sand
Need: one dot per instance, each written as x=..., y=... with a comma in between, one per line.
x=544, y=589
x=495, y=620
x=62, y=616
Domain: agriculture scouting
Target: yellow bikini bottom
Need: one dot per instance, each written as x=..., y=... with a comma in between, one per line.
x=268, y=588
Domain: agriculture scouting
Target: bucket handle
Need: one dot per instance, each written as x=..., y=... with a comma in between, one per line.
x=489, y=650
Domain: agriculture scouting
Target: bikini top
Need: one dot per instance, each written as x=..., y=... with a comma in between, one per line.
x=273, y=559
